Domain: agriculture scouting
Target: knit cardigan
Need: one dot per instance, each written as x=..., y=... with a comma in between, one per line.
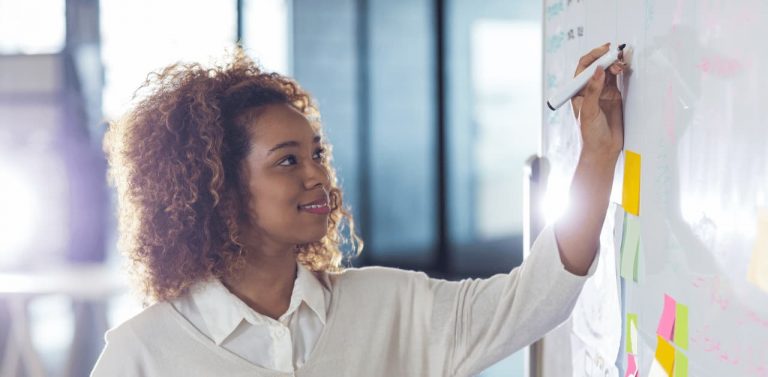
x=380, y=322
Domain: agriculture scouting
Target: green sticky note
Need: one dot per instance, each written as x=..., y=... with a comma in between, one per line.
x=681, y=326
x=681, y=365
x=631, y=333
x=637, y=262
x=630, y=247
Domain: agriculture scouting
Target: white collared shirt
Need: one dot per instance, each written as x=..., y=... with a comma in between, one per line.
x=281, y=345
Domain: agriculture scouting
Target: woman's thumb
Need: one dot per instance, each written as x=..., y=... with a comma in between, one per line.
x=590, y=106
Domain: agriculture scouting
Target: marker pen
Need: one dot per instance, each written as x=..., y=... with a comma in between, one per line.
x=578, y=82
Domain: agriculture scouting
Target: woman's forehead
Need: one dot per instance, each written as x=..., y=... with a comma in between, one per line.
x=281, y=123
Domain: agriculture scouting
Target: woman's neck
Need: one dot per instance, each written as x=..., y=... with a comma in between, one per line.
x=266, y=283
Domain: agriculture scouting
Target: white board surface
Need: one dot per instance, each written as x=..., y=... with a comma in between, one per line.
x=695, y=112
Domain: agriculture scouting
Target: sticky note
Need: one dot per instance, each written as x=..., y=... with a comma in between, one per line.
x=631, y=366
x=631, y=196
x=657, y=370
x=630, y=247
x=681, y=365
x=667, y=321
x=681, y=326
x=665, y=355
x=757, y=272
x=637, y=256
x=631, y=333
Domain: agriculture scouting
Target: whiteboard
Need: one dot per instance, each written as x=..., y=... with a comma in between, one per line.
x=694, y=100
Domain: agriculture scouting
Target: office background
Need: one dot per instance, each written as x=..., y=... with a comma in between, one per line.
x=432, y=107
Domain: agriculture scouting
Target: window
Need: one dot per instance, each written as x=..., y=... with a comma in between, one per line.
x=402, y=141
x=142, y=36
x=266, y=33
x=32, y=26
x=493, y=121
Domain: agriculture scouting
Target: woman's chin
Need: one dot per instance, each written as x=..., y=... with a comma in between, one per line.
x=313, y=238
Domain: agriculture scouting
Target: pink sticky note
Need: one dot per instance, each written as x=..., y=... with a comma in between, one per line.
x=667, y=321
x=631, y=366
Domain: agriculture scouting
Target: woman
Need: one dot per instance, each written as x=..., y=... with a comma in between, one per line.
x=231, y=215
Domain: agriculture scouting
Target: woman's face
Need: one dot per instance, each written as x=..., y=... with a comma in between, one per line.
x=287, y=181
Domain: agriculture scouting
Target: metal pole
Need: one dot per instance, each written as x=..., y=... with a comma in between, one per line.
x=535, y=176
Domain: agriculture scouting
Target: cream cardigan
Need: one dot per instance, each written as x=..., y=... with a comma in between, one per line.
x=380, y=322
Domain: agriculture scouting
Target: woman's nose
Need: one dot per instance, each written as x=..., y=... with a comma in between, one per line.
x=316, y=175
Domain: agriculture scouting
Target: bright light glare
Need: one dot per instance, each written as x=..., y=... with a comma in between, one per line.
x=136, y=41
x=31, y=26
x=557, y=198
x=18, y=215
x=266, y=35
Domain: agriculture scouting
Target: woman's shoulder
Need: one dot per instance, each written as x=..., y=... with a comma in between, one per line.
x=150, y=321
x=375, y=277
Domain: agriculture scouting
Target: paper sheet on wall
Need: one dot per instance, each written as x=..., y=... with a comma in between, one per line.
x=595, y=343
x=758, y=264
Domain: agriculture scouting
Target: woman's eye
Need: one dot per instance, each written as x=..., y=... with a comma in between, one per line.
x=319, y=154
x=288, y=161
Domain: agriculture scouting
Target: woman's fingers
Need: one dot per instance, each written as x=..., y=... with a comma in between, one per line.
x=590, y=57
x=590, y=105
x=617, y=67
x=610, y=83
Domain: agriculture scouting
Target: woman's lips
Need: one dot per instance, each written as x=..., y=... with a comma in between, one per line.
x=318, y=207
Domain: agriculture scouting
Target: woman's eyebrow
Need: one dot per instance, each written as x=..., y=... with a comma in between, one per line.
x=292, y=143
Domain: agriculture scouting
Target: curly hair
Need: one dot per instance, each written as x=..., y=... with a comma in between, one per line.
x=175, y=161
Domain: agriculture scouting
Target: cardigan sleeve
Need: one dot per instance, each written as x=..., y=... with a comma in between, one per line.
x=118, y=358
x=482, y=321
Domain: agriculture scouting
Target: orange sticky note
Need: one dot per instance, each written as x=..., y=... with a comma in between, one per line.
x=757, y=273
x=631, y=197
x=665, y=355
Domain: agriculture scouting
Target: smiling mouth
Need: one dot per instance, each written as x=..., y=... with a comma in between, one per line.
x=314, y=206
x=318, y=207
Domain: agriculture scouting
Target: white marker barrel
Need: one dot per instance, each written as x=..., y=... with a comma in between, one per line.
x=577, y=83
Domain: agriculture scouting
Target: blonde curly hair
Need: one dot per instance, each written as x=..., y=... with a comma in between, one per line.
x=175, y=160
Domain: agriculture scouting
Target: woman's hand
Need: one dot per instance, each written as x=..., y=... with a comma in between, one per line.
x=598, y=107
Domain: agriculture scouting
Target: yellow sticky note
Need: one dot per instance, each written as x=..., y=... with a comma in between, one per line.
x=681, y=365
x=631, y=198
x=665, y=355
x=758, y=264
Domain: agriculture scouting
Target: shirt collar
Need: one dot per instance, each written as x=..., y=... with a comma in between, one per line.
x=308, y=289
x=223, y=312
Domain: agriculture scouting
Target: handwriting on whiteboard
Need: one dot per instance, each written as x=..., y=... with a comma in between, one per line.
x=720, y=66
x=753, y=361
x=555, y=9
x=745, y=358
